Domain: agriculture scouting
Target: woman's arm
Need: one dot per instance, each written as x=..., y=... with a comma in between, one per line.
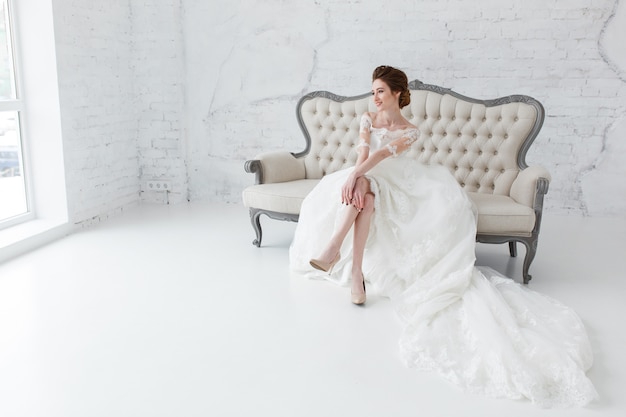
x=363, y=147
x=394, y=148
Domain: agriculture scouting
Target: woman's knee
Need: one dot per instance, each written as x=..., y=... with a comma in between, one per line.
x=363, y=184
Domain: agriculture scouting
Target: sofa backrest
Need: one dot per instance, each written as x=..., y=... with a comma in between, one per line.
x=482, y=142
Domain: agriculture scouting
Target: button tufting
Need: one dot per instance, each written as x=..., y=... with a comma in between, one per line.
x=490, y=136
x=474, y=135
x=506, y=136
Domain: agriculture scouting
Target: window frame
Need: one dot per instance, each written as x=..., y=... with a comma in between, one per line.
x=18, y=105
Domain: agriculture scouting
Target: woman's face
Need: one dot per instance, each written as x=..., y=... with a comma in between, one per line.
x=384, y=98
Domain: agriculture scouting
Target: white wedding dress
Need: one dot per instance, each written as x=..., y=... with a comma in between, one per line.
x=476, y=328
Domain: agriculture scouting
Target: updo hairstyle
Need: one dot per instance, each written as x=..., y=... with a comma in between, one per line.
x=396, y=80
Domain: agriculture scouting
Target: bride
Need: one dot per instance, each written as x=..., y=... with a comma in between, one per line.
x=408, y=230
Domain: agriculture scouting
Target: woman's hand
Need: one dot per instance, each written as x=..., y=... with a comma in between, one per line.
x=354, y=190
x=361, y=187
x=347, y=191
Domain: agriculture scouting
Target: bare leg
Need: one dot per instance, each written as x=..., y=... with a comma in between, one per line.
x=361, y=231
x=348, y=216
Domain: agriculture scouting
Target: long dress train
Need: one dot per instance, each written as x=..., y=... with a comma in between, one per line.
x=476, y=328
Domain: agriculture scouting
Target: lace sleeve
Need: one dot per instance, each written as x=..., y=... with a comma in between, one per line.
x=411, y=136
x=364, y=131
x=366, y=123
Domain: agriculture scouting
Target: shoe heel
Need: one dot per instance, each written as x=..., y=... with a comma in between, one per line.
x=359, y=299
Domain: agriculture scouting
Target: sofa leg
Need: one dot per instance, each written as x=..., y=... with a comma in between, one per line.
x=256, y=224
x=513, y=249
x=531, y=250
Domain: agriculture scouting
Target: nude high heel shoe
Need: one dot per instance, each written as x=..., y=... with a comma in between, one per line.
x=323, y=266
x=359, y=299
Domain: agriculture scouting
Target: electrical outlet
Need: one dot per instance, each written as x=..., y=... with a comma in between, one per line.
x=159, y=185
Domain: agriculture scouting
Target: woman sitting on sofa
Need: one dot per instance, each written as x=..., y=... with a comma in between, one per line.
x=409, y=230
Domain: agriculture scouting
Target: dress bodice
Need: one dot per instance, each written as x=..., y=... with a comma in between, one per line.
x=381, y=137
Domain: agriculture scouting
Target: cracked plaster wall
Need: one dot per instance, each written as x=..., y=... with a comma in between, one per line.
x=602, y=184
x=248, y=62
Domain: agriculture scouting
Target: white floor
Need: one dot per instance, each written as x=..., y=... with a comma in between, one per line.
x=171, y=311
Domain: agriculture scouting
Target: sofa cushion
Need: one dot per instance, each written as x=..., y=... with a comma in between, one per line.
x=499, y=214
x=283, y=197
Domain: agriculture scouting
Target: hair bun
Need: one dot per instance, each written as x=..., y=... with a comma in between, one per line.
x=405, y=98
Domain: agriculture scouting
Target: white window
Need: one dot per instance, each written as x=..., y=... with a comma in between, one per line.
x=14, y=205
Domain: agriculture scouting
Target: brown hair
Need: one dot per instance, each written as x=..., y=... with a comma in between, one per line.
x=396, y=80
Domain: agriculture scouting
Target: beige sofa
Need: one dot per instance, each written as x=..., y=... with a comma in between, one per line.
x=482, y=142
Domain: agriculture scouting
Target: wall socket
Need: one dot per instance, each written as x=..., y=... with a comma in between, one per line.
x=158, y=185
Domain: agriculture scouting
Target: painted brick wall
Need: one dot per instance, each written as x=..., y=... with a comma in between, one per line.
x=157, y=62
x=121, y=89
x=98, y=114
x=264, y=55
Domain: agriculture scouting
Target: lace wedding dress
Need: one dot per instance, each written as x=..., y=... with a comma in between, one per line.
x=476, y=328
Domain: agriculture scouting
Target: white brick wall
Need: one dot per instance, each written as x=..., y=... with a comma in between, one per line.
x=187, y=90
x=99, y=121
x=157, y=62
x=121, y=91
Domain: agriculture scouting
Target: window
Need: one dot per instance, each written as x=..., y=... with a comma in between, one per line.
x=13, y=192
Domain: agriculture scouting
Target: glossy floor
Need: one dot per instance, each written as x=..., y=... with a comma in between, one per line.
x=171, y=311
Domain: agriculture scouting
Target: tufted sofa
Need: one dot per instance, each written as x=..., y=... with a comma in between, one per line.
x=482, y=142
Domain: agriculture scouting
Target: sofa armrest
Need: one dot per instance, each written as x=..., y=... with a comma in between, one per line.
x=530, y=182
x=276, y=166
